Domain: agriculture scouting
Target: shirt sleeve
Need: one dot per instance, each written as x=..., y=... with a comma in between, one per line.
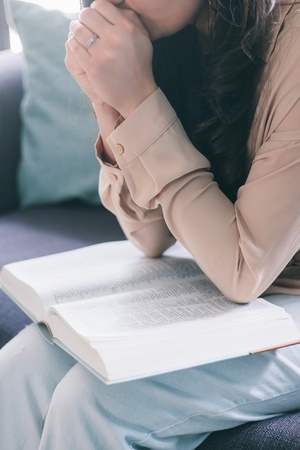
x=242, y=247
x=145, y=228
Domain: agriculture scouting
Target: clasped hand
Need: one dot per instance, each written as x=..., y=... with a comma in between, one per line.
x=116, y=68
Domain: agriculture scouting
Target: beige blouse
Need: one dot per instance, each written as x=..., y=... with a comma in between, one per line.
x=162, y=189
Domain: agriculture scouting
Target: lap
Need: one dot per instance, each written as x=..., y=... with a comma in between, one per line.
x=30, y=353
x=184, y=405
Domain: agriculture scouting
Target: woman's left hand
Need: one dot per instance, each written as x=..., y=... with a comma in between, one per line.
x=118, y=64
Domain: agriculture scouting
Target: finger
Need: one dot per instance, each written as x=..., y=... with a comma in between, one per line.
x=107, y=15
x=133, y=18
x=101, y=18
x=115, y=14
x=71, y=62
x=108, y=11
x=102, y=15
x=81, y=33
x=79, y=49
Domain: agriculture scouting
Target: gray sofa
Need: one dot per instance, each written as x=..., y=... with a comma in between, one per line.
x=26, y=233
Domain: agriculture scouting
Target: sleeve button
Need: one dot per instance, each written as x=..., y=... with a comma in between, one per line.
x=113, y=177
x=120, y=149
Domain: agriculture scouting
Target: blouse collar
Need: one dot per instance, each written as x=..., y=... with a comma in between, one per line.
x=283, y=8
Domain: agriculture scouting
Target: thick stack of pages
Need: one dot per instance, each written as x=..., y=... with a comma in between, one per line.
x=126, y=316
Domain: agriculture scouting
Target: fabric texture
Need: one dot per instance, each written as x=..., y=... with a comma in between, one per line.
x=58, y=125
x=279, y=433
x=248, y=248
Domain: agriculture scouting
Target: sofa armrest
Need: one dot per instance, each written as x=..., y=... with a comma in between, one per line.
x=10, y=125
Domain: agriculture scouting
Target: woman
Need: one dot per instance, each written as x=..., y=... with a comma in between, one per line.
x=224, y=181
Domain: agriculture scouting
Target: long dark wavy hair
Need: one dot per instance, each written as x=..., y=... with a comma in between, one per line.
x=214, y=91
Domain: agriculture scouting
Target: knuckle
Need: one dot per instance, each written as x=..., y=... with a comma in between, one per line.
x=93, y=72
x=75, y=46
x=79, y=33
x=130, y=27
x=106, y=58
x=83, y=15
x=76, y=28
x=98, y=5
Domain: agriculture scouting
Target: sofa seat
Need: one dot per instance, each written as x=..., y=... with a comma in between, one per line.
x=279, y=433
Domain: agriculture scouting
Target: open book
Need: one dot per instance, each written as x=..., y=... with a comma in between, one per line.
x=126, y=316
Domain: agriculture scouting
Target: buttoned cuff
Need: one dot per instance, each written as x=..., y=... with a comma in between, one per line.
x=152, y=149
x=100, y=153
x=140, y=130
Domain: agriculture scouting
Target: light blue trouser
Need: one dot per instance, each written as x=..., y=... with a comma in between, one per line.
x=49, y=402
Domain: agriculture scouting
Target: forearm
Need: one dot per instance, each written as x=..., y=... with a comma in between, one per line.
x=107, y=119
x=145, y=228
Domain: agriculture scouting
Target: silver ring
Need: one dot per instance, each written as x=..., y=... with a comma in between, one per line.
x=91, y=40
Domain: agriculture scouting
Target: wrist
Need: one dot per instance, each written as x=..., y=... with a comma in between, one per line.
x=106, y=116
x=102, y=108
x=137, y=101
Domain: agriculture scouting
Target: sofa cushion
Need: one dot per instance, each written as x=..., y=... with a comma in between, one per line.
x=59, y=128
x=278, y=433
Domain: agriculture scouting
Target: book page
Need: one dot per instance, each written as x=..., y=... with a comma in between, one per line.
x=75, y=261
x=31, y=283
x=89, y=272
x=98, y=282
x=181, y=303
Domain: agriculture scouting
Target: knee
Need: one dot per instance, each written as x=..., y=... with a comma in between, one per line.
x=22, y=353
x=29, y=360
x=74, y=419
x=74, y=393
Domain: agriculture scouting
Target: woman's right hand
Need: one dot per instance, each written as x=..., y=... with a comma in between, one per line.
x=105, y=114
x=118, y=61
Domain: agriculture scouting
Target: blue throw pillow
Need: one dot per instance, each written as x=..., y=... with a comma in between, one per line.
x=59, y=129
